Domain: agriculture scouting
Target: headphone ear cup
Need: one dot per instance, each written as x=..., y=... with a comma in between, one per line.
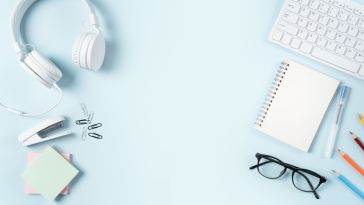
x=77, y=49
x=89, y=51
x=42, y=68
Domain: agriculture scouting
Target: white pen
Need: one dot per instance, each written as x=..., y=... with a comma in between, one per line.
x=344, y=94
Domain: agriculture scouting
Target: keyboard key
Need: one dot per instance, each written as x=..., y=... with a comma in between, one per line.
x=359, y=12
x=321, y=30
x=305, y=2
x=361, y=23
x=286, y=39
x=361, y=35
x=343, y=27
x=323, y=8
x=333, y=23
x=338, y=4
x=340, y=38
x=343, y=15
x=302, y=22
x=306, y=47
x=312, y=26
x=321, y=41
x=331, y=45
x=350, y=53
x=305, y=12
x=302, y=34
x=359, y=57
x=335, y=60
x=350, y=42
x=331, y=34
x=284, y=26
x=349, y=8
x=296, y=43
x=333, y=11
x=312, y=37
x=323, y=19
x=353, y=31
x=290, y=17
x=293, y=7
x=360, y=46
x=353, y=19
x=314, y=4
x=277, y=35
x=314, y=15
x=340, y=49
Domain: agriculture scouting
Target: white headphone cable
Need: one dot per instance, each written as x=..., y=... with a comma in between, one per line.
x=25, y=114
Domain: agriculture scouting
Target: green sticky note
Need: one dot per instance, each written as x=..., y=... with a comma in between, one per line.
x=49, y=174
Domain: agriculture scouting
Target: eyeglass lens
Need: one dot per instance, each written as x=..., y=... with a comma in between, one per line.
x=270, y=168
x=305, y=181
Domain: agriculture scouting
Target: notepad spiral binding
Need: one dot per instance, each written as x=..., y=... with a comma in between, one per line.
x=283, y=68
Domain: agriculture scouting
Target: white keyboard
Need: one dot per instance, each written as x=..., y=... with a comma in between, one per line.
x=330, y=31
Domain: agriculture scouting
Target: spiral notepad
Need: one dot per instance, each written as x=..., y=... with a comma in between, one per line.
x=296, y=104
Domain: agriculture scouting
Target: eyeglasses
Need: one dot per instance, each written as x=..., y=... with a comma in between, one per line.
x=303, y=179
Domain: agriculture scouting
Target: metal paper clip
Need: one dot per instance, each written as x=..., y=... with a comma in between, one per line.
x=90, y=116
x=84, y=132
x=84, y=109
x=94, y=126
x=95, y=135
x=83, y=122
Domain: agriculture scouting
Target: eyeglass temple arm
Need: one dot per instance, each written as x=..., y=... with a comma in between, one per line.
x=260, y=164
x=312, y=188
x=291, y=166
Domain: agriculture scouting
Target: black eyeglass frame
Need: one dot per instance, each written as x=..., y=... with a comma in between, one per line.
x=294, y=169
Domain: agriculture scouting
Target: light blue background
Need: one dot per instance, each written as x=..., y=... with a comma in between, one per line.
x=181, y=87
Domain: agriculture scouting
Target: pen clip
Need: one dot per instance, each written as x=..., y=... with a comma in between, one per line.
x=344, y=93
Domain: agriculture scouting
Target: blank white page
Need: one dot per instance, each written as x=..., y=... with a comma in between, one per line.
x=299, y=106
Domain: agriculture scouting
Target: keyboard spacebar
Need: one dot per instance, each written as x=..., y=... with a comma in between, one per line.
x=335, y=60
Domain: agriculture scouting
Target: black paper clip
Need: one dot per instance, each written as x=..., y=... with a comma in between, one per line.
x=95, y=135
x=94, y=126
x=83, y=122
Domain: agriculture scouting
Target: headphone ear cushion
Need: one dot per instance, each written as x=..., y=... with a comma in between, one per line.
x=95, y=52
x=47, y=65
x=43, y=69
x=77, y=49
x=84, y=49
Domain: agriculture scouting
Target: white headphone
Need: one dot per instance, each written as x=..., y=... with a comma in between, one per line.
x=88, y=53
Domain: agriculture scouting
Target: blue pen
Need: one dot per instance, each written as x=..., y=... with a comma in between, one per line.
x=349, y=184
x=344, y=94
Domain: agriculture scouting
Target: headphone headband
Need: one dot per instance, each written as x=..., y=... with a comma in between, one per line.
x=42, y=68
x=22, y=7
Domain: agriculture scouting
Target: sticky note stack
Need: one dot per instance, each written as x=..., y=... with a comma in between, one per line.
x=49, y=174
x=29, y=189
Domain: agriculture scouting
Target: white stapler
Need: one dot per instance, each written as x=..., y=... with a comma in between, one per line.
x=40, y=132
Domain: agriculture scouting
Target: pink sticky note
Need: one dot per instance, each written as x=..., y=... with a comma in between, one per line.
x=29, y=189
